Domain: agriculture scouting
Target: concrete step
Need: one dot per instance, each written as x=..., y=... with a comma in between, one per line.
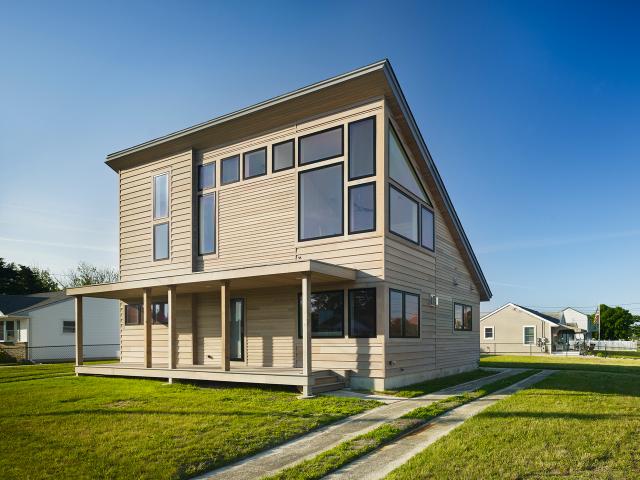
x=327, y=387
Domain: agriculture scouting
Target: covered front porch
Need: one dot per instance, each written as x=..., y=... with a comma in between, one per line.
x=181, y=349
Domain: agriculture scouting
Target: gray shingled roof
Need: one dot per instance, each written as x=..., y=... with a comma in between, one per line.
x=540, y=314
x=14, y=304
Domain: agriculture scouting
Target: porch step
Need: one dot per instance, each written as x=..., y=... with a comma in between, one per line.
x=327, y=381
x=328, y=387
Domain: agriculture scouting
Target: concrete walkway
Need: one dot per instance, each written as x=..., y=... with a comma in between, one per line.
x=381, y=462
x=308, y=446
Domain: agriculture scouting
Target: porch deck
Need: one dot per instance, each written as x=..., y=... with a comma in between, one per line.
x=238, y=374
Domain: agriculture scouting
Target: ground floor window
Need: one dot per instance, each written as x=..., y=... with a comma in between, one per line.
x=404, y=314
x=327, y=314
x=529, y=335
x=362, y=313
x=488, y=333
x=68, y=326
x=9, y=330
x=133, y=314
x=462, y=317
x=160, y=313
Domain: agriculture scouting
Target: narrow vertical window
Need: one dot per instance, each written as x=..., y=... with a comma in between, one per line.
x=161, y=241
x=427, y=230
x=529, y=335
x=282, y=155
x=362, y=208
x=395, y=313
x=207, y=223
x=230, y=170
x=320, y=205
x=462, y=317
x=206, y=176
x=362, y=148
x=403, y=215
x=161, y=196
x=404, y=314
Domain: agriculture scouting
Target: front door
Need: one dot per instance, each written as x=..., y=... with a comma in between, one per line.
x=237, y=329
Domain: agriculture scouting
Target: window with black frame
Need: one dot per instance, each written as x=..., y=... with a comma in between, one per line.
x=404, y=314
x=327, y=314
x=462, y=317
x=362, y=313
x=320, y=202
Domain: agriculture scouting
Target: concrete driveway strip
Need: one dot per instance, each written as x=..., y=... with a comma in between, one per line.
x=308, y=446
x=381, y=462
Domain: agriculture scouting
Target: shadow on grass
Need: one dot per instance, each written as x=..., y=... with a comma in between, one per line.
x=561, y=415
x=494, y=362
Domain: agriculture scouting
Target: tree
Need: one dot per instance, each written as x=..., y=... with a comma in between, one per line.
x=87, y=274
x=18, y=279
x=616, y=323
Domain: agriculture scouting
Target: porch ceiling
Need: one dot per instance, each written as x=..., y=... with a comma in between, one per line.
x=277, y=275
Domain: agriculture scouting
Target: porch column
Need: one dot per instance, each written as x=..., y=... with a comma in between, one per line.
x=79, y=331
x=307, y=369
x=171, y=306
x=225, y=325
x=146, y=318
x=194, y=329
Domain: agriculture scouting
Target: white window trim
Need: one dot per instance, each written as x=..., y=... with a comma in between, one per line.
x=493, y=332
x=524, y=327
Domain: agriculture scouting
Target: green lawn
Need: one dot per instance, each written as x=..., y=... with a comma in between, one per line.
x=615, y=365
x=580, y=425
x=436, y=384
x=91, y=427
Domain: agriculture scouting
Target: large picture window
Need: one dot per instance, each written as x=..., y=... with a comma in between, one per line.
x=320, y=202
x=362, y=208
x=207, y=224
x=404, y=314
x=161, y=241
x=161, y=196
x=403, y=215
x=362, y=313
x=255, y=163
x=327, y=314
x=462, y=317
x=321, y=146
x=362, y=148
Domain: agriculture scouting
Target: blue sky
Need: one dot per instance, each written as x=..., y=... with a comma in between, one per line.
x=531, y=111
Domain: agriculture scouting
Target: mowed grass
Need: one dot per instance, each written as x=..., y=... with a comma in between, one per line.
x=580, y=425
x=430, y=386
x=614, y=365
x=92, y=427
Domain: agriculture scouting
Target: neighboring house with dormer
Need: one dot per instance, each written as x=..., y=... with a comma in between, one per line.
x=516, y=329
x=41, y=327
x=307, y=240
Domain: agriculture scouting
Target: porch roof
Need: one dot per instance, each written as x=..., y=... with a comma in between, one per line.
x=275, y=275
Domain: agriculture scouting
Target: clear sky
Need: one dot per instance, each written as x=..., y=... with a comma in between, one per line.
x=531, y=111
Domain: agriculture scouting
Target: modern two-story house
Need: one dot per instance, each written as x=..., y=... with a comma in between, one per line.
x=307, y=240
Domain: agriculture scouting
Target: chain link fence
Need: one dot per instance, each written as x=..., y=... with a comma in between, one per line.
x=66, y=353
x=569, y=348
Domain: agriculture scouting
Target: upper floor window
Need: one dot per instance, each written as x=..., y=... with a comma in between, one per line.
x=362, y=208
x=462, y=317
x=320, y=202
x=161, y=241
x=427, y=233
x=161, y=196
x=230, y=170
x=403, y=215
x=282, y=154
x=206, y=176
x=255, y=163
x=362, y=148
x=321, y=146
x=404, y=314
x=400, y=168
x=207, y=223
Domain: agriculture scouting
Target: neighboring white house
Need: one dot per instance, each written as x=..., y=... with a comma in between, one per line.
x=571, y=316
x=42, y=326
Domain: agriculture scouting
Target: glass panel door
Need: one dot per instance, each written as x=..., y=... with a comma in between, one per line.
x=237, y=329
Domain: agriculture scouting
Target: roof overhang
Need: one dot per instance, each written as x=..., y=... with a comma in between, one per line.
x=377, y=80
x=282, y=274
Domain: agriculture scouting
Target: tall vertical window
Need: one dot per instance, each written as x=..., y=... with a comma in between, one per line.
x=404, y=314
x=207, y=223
x=206, y=176
x=362, y=148
x=529, y=335
x=321, y=146
x=362, y=313
x=362, y=208
x=230, y=170
x=255, y=163
x=320, y=202
x=161, y=196
x=161, y=241
x=462, y=317
x=282, y=155
x=427, y=229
